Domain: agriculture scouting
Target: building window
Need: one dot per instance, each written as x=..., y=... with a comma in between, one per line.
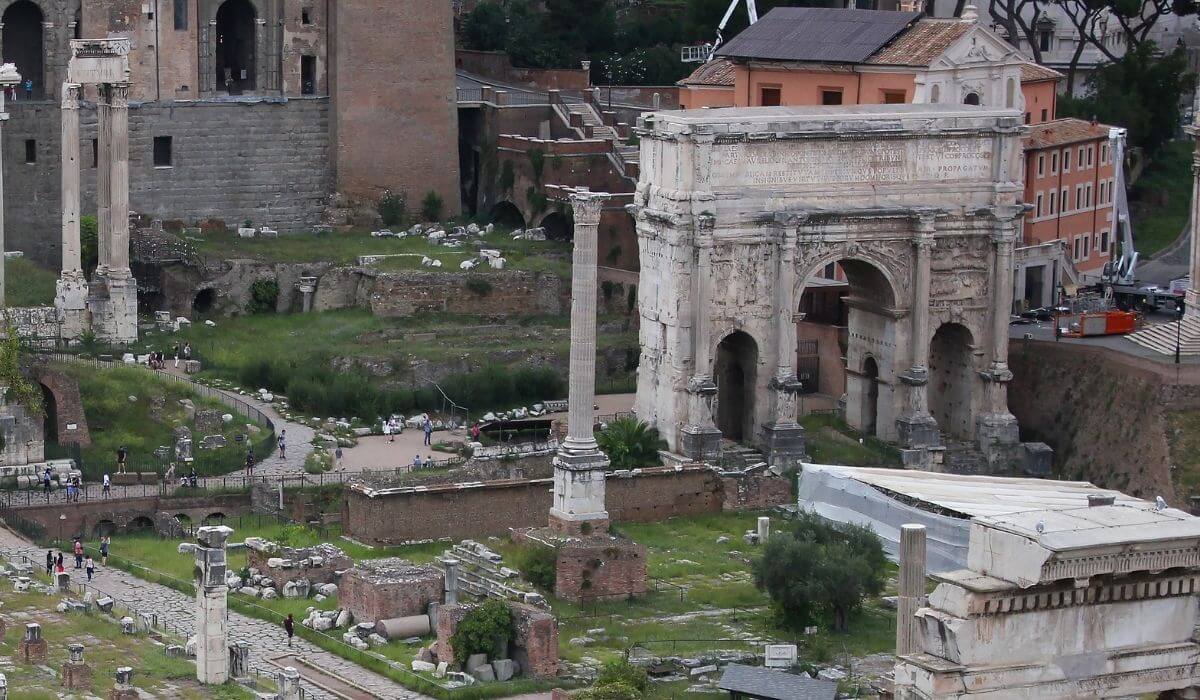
x=1104, y=241
x=1087, y=195
x=972, y=98
x=830, y=271
x=1103, y=153
x=1100, y=194
x=1091, y=151
x=1038, y=210
x=1041, y=164
x=1044, y=113
x=1079, y=197
x=1054, y=163
x=831, y=97
x=1077, y=255
x=306, y=15
x=308, y=75
x=769, y=97
x=1027, y=117
x=162, y=151
x=1087, y=245
x=893, y=97
x=934, y=94
x=181, y=14
x=1051, y=208
x=30, y=151
x=1065, y=200
x=95, y=153
x=1045, y=38
x=1067, y=160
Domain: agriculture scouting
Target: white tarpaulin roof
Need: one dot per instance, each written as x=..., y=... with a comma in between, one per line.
x=885, y=499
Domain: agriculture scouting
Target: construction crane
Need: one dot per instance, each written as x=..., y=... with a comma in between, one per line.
x=704, y=52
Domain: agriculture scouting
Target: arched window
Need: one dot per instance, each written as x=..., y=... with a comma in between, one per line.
x=934, y=93
x=235, y=47
x=1010, y=93
x=22, y=40
x=972, y=98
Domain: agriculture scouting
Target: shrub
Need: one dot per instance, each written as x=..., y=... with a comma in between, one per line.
x=264, y=295
x=431, y=206
x=392, y=209
x=482, y=630
x=612, y=691
x=479, y=286
x=621, y=671
x=537, y=564
x=630, y=444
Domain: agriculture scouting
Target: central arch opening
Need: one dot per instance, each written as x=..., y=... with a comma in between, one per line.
x=735, y=373
x=235, y=47
x=22, y=41
x=506, y=215
x=870, y=407
x=559, y=226
x=951, y=377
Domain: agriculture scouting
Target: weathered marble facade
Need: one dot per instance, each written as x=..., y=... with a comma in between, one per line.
x=737, y=208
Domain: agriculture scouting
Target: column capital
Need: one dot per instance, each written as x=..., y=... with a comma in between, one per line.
x=71, y=92
x=926, y=221
x=118, y=95
x=586, y=206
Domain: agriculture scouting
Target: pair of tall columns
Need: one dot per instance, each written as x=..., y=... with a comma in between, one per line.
x=579, y=467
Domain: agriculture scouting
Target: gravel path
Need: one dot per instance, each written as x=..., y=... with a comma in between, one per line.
x=265, y=639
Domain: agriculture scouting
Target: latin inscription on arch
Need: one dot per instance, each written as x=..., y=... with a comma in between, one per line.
x=829, y=162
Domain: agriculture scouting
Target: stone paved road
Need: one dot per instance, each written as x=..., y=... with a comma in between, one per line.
x=265, y=639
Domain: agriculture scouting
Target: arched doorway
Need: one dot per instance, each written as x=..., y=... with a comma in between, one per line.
x=870, y=407
x=558, y=226
x=50, y=420
x=951, y=380
x=203, y=302
x=972, y=98
x=506, y=215
x=22, y=41
x=235, y=47
x=735, y=373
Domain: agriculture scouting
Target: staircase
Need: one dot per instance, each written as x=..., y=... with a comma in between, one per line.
x=962, y=458
x=1161, y=338
x=592, y=118
x=737, y=456
x=481, y=574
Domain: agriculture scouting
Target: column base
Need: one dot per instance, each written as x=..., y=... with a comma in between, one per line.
x=700, y=443
x=918, y=430
x=999, y=439
x=71, y=301
x=783, y=445
x=579, y=487
x=112, y=302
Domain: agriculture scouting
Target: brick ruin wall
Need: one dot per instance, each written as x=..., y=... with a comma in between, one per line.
x=535, y=647
x=372, y=601
x=600, y=568
x=493, y=508
x=266, y=160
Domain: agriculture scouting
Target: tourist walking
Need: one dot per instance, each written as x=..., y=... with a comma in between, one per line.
x=106, y=485
x=28, y=89
x=289, y=626
x=78, y=480
x=122, y=458
x=283, y=444
x=90, y=567
x=49, y=562
x=46, y=481
x=175, y=353
x=187, y=352
x=475, y=432
x=104, y=542
x=58, y=562
x=387, y=429
x=337, y=458
x=249, y=462
x=78, y=554
x=428, y=428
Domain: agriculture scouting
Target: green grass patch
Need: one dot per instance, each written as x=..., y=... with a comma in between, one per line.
x=829, y=440
x=1160, y=199
x=28, y=284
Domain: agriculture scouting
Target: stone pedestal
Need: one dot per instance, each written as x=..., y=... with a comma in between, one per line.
x=579, y=485
x=599, y=567
x=113, y=304
x=76, y=675
x=239, y=660
x=32, y=648
x=71, y=302
x=783, y=445
x=700, y=443
x=212, y=634
x=123, y=689
x=288, y=681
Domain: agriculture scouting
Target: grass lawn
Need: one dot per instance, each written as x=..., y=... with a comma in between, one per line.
x=105, y=649
x=830, y=441
x=345, y=248
x=28, y=284
x=144, y=424
x=1167, y=179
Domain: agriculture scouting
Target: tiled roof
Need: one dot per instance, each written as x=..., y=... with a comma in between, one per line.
x=1061, y=132
x=921, y=43
x=718, y=71
x=767, y=683
x=818, y=34
x=1032, y=73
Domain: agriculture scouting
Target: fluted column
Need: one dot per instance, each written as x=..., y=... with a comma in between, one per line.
x=700, y=438
x=6, y=80
x=997, y=432
x=910, y=588
x=118, y=118
x=71, y=256
x=579, y=485
x=783, y=438
x=260, y=55
x=916, y=427
x=103, y=175
x=1192, y=298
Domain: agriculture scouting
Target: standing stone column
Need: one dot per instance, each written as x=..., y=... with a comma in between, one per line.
x=578, y=503
x=261, y=79
x=212, y=634
x=288, y=681
x=910, y=587
x=118, y=260
x=783, y=437
x=997, y=429
x=8, y=79
x=103, y=176
x=700, y=438
x=71, y=293
x=450, y=582
x=916, y=427
x=1192, y=297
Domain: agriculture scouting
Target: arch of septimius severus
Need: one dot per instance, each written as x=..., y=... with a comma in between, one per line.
x=737, y=209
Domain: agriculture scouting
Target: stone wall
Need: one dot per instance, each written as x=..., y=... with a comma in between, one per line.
x=493, y=508
x=262, y=159
x=388, y=588
x=121, y=513
x=408, y=293
x=67, y=407
x=755, y=492
x=600, y=568
x=535, y=648
x=36, y=325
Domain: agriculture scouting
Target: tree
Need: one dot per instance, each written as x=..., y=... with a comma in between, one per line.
x=1140, y=91
x=820, y=570
x=618, y=680
x=431, y=206
x=486, y=27
x=89, y=241
x=631, y=443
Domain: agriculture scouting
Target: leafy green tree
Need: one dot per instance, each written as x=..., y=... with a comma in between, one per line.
x=431, y=206
x=537, y=564
x=1141, y=91
x=489, y=624
x=486, y=27
x=820, y=570
x=631, y=443
x=621, y=671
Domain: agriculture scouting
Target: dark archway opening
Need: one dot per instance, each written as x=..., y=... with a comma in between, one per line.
x=141, y=524
x=22, y=41
x=50, y=407
x=506, y=215
x=203, y=302
x=78, y=22
x=735, y=373
x=214, y=519
x=559, y=226
x=871, y=402
x=972, y=98
x=235, y=47
x=951, y=378
x=104, y=528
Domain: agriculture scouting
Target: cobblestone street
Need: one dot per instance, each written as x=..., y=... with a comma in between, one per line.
x=178, y=610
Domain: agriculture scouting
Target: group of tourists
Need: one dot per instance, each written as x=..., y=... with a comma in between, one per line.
x=55, y=564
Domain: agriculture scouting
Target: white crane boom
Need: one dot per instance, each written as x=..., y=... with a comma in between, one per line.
x=751, y=10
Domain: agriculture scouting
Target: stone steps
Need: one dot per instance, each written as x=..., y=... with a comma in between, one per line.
x=962, y=458
x=738, y=456
x=485, y=577
x=1162, y=338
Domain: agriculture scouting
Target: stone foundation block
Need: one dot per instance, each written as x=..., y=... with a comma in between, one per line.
x=1036, y=459
x=32, y=651
x=600, y=568
x=76, y=676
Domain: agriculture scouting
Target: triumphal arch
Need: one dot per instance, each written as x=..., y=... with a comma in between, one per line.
x=739, y=209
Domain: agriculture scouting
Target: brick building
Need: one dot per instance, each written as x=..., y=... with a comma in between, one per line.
x=1069, y=181
x=239, y=109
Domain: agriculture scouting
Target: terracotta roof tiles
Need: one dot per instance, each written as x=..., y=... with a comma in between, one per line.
x=718, y=71
x=921, y=43
x=1061, y=132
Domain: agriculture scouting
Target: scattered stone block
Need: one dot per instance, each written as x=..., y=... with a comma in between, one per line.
x=474, y=661
x=418, y=665
x=442, y=667
x=484, y=673
x=504, y=669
